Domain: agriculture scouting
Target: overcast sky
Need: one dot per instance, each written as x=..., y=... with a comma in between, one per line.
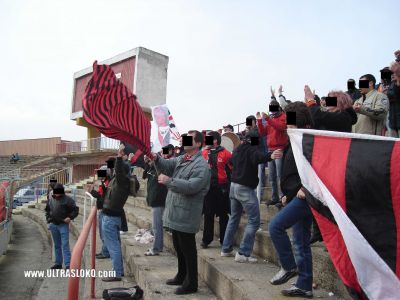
x=223, y=55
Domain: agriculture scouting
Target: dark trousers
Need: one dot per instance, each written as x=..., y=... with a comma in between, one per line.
x=216, y=203
x=185, y=247
x=124, y=223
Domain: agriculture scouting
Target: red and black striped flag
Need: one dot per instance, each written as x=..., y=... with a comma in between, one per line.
x=114, y=110
x=353, y=187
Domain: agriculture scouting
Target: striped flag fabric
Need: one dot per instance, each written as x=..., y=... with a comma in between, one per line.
x=353, y=188
x=114, y=110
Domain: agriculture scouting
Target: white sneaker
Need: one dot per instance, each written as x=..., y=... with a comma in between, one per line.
x=243, y=259
x=227, y=254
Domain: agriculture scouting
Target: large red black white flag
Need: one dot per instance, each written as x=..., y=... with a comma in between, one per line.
x=353, y=188
x=114, y=110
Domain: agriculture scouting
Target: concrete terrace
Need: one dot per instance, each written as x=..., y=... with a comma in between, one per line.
x=221, y=278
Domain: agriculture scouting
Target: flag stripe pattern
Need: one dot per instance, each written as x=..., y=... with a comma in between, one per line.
x=114, y=110
x=353, y=188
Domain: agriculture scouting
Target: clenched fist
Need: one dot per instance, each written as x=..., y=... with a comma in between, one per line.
x=277, y=154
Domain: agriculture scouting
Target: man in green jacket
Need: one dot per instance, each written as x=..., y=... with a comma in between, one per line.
x=187, y=178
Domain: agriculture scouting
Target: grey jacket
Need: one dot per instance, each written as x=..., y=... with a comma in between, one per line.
x=189, y=183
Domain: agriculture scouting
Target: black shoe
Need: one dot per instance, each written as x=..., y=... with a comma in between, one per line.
x=56, y=267
x=296, y=292
x=66, y=267
x=183, y=290
x=283, y=276
x=315, y=238
x=203, y=245
x=111, y=279
x=174, y=281
x=271, y=202
x=101, y=256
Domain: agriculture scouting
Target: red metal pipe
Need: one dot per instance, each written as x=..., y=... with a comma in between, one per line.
x=76, y=257
x=93, y=279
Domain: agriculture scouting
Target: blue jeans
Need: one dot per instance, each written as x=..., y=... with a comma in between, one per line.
x=296, y=214
x=60, y=234
x=111, y=227
x=275, y=171
x=104, y=250
x=158, y=229
x=242, y=197
x=261, y=182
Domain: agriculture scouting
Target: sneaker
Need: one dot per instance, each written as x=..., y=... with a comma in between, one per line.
x=227, y=254
x=243, y=259
x=296, y=292
x=283, y=276
x=150, y=252
x=101, y=256
x=123, y=232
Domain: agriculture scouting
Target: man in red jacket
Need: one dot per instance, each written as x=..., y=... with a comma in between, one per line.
x=275, y=130
x=216, y=202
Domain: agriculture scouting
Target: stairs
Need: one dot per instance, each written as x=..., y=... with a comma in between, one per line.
x=220, y=277
x=6, y=167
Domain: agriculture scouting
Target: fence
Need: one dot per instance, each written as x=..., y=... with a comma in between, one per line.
x=101, y=143
x=6, y=223
x=238, y=127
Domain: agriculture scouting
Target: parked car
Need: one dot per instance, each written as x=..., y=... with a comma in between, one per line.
x=26, y=195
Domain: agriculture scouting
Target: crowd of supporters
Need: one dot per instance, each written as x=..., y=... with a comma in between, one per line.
x=200, y=177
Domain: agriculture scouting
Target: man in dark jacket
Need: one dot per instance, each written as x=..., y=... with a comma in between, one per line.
x=188, y=180
x=156, y=195
x=296, y=214
x=352, y=91
x=60, y=210
x=99, y=193
x=245, y=160
x=393, y=94
x=216, y=202
x=113, y=209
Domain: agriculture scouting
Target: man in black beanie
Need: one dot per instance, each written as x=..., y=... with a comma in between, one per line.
x=113, y=209
x=60, y=210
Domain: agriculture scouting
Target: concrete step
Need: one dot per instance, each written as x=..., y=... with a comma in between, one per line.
x=224, y=282
x=149, y=272
x=140, y=213
x=152, y=272
x=75, y=228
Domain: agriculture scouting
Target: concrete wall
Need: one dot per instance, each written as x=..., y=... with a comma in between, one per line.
x=151, y=78
x=44, y=146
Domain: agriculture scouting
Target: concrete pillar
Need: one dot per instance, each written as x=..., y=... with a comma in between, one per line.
x=92, y=133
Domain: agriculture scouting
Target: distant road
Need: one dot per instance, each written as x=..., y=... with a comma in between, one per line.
x=28, y=250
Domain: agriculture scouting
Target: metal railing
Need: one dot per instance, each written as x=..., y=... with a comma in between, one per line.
x=6, y=223
x=76, y=257
x=92, y=201
x=238, y=126
x=101, y=143
x=63, y=176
